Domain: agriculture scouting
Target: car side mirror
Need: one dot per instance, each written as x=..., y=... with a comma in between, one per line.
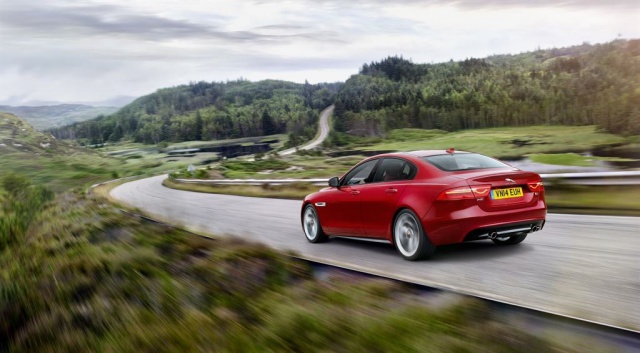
x=334, y=182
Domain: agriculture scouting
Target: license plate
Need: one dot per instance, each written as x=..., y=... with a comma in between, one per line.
x=499, y=194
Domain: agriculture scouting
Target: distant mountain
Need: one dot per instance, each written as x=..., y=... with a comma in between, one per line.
x=118, y=101
x=50, y=116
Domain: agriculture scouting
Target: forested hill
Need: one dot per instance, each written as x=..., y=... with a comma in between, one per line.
x=580, y=85
x=215, y=110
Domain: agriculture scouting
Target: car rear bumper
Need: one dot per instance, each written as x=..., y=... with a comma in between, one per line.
x=505, y=230
x=473, y=223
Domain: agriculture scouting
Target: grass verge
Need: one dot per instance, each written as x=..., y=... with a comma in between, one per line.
x=506, y=142
x=572, y=159
x=296, y=191
x=623, y=200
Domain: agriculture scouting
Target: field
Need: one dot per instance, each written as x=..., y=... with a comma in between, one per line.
x=504, y=143
x=62, y=165
x=558, y=145
x=572, y=159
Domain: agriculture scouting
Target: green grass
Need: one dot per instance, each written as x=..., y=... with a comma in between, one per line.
x=500, y=142
x=64, y=165
x=592, y=199
x=544, y=144
x=572, y=159
x=296, y=191
x=295, y=166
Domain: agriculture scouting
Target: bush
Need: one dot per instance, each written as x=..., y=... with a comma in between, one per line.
x=14, y=183
x=22, y=204
x=256, y=166
x=313, y=152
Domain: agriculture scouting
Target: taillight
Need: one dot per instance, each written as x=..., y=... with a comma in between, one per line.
x=535, y=186
x=465, y=193
x=481, y=190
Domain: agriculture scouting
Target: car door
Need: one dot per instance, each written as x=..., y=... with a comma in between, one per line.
x=342, y=208
x=380, y=198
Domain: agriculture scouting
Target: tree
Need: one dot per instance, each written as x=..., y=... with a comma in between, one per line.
x=198, y=126
x=117, y=134
x=268, y=125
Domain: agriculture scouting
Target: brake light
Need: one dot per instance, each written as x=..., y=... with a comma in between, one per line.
x=481, y=190
x=535, y=186
x=465, y=193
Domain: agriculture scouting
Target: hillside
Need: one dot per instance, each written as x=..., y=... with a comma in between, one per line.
x=50, y=116
x=209, y=111
x=17, y=136
x=60, y=165
x=580, y=85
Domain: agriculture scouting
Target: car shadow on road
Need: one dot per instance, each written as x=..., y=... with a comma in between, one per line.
x=478, y=250
x=463, y=252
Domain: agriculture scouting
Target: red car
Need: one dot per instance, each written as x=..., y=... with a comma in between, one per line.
x=423, y=199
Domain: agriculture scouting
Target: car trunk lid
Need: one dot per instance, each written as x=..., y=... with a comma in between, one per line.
x=508, y=187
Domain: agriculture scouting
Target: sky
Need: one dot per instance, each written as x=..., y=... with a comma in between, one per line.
x=93, y=51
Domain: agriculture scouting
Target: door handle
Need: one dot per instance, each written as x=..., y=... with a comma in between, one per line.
x=355, y=192
x=391, y=191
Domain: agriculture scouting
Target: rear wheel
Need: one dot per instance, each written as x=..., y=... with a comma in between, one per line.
x=311, y=225
x=512, y=240
x=409, y=237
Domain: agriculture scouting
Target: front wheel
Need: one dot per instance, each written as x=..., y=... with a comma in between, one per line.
x=311, y=225
x=409, y=238
x=512, y=240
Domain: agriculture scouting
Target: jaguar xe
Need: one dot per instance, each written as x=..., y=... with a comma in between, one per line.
x=423, y=199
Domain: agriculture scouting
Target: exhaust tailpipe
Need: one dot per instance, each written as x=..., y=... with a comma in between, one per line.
x=493, y=235
x=535, y=228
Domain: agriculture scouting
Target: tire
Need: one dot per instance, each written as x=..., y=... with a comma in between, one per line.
x=512, y=240
x=409, y=238
x=311, y=225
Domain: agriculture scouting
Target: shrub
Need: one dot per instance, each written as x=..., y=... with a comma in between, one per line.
x=20, y=207
x=201, y=174
x=256, y=166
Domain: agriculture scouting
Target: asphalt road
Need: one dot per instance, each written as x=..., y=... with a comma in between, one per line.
x=324, y=132
x=581, y=266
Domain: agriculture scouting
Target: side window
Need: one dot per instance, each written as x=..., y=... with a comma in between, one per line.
x=391, y=169
x=360, y=174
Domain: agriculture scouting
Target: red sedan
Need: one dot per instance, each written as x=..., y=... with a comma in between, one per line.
x=422, y=199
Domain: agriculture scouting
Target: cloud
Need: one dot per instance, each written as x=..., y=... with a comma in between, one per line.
x=95, y=20
x=483, y=4
x=92, y=50
x=44, y=20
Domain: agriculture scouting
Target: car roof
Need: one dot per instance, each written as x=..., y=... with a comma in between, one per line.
x=415, y=154
x=426, y=153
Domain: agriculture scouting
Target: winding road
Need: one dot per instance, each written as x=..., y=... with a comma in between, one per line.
x=586, y=267
x=324, y=132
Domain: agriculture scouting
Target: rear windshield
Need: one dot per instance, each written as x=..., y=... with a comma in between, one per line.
x=463, y=161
